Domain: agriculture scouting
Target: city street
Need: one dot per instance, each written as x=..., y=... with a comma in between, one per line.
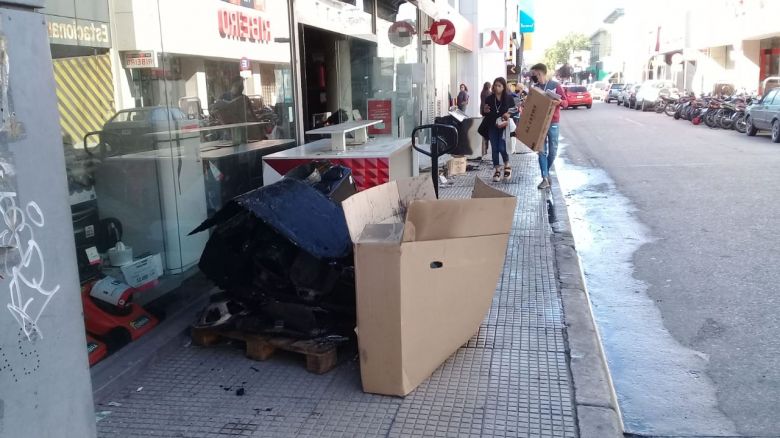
x=676, y=228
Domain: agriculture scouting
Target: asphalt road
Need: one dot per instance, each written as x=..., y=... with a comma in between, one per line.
x=678, y=227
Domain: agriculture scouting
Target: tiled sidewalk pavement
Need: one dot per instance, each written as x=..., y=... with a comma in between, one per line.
x=510, y=380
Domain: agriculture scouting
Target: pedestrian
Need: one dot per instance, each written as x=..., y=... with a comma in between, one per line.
x=463, y=97
x=486, y=91
x=547, y=155
x=496, y=113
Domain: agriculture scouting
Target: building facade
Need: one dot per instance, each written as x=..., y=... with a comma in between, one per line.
x=707, y=43
x=146, y=142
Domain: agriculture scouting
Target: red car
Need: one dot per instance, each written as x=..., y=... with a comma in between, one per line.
x=578, y=95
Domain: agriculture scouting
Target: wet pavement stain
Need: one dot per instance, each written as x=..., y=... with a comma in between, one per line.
x=662, y=386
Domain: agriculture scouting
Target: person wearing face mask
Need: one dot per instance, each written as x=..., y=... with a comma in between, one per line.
x=496, y=113
x=547, y=155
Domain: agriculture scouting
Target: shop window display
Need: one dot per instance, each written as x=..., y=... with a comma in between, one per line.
x=159, y=135
x=164, y=126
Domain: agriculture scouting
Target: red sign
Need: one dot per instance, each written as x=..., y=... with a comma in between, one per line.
x=243, y=26
x=442, y=32
x=380, y=109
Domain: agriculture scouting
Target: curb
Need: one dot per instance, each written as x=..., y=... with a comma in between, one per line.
x=598, y=412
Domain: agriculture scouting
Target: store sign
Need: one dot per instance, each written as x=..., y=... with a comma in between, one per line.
x=243, y=26
x=140, y=59
x=442, y=32
x=74, y=32
x=494, y=40
x=380, y=109
x=527, y=23
x=252, y=4
x=245, y=68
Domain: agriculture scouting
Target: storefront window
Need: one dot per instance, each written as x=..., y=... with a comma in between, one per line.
x=165, y=117
x=348, y=78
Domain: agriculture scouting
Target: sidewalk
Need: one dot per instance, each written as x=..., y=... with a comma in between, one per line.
x=512, y=379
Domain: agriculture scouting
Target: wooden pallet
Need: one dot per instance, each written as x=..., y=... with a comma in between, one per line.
x=321, y=356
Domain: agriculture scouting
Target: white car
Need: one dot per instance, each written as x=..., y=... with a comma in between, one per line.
x=598, y=90
x=649, y=92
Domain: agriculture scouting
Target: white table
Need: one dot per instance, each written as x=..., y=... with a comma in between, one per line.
x=338, y=133
x=376, y=162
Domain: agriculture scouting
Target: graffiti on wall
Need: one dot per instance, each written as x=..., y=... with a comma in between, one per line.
x=22, y=263
x=22, y=259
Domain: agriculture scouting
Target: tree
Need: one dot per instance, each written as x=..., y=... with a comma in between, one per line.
x=565, y=72
x=559, y=53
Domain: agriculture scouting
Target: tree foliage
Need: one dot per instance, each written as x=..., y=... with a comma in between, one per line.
x=565, y=72
x=559, y=53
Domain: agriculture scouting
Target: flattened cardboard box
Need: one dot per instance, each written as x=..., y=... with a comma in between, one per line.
x=426, y=272
x=538, y=111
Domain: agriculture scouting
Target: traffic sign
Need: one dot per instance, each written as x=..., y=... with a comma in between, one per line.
x=401, y=33
x=442, y=32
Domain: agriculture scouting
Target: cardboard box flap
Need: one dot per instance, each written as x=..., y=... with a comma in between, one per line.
x=461, y=218
x=376, y=205
x=384, y=204
x=410, y=189
x=484, y=190
x=381, y=233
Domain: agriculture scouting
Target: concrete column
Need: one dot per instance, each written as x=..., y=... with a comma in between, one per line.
x=344, y=78
x=193, y=71
x=749, y=64
x=45, y=387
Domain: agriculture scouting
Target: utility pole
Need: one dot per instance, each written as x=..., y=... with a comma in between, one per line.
x=519, y=58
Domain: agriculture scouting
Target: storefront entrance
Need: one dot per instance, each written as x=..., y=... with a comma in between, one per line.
x=337, y=76
x=770, y=67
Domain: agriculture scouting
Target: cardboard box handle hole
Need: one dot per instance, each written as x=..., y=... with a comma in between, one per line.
x=437, y=265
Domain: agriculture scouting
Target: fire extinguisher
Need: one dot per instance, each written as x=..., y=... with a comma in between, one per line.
x=321, y=76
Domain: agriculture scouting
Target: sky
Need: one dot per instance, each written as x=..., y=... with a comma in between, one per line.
x=556, y=18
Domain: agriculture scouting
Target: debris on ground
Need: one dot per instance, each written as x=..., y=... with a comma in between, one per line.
x=101, y=415
x=282, y=256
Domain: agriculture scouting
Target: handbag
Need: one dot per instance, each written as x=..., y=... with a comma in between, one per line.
x=501, y=123
x=484, y=128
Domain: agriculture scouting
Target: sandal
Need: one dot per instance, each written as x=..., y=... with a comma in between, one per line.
x=497, y=175
x=507, y=173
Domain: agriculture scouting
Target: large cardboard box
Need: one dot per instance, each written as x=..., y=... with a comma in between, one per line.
x=535, y=120
x=426, y=272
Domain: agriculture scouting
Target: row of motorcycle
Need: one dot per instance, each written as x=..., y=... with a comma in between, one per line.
x=715, y=111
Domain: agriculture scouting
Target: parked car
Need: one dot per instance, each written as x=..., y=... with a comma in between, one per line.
x=622, y=97
x=141, y=129
x=578, y=96
x=631, y=101
x=598, y=90
x=765, y=115
x=649, y=94
x=613, y=92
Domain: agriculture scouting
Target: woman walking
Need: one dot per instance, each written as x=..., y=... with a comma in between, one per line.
x=463, y=97
x=496, y=112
